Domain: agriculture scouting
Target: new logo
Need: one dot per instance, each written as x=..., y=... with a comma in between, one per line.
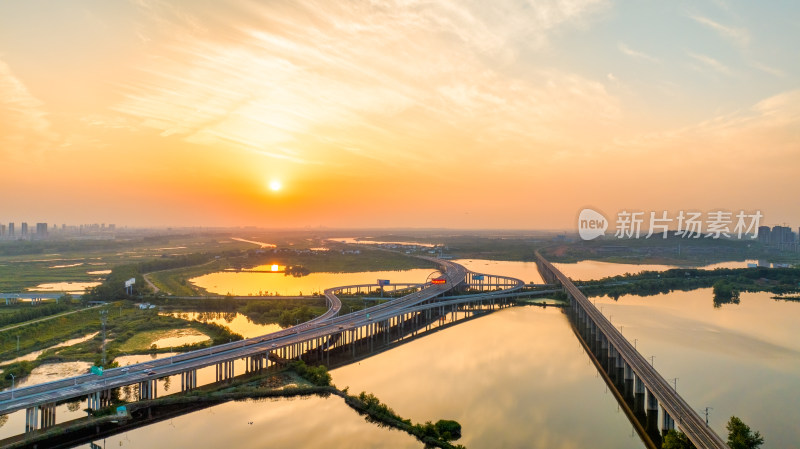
x=591, y=224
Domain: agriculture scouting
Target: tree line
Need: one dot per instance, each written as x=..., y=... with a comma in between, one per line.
x=740, y=436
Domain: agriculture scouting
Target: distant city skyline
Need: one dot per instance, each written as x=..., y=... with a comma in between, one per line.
x=467, y=115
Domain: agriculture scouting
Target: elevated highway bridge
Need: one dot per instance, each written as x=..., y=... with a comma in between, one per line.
x=628, y=365
x=317, y=337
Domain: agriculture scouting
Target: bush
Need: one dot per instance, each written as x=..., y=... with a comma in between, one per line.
x=317, y=375
x=448, y=429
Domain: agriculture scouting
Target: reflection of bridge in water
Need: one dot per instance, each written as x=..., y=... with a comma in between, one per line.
x=335, y=339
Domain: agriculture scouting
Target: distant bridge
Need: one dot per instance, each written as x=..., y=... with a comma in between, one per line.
x=626, y=363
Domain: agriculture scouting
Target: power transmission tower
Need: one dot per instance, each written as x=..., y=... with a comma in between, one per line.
x=706, y=413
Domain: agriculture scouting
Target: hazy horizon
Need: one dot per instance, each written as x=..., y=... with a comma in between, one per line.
x=387, y=114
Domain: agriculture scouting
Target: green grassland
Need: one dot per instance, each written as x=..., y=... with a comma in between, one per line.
x=26, y=264
x=126, y=328
x=176, y=281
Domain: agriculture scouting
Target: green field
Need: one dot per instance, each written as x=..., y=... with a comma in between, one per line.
x=127, y=328
x=25, y=264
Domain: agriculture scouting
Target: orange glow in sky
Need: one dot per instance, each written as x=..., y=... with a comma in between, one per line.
x=391, y=114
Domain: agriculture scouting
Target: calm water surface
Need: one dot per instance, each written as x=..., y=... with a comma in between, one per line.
x=591, y=269
x=235, y=321
x=741, y=360
x=515, y=378
x=244, y=283
x=247, y=283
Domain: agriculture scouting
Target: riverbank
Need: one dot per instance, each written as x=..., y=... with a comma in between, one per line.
x=648, y=283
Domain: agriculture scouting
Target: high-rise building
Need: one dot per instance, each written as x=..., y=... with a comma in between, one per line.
x=41, y=229
x=11, y=229
x=763, y=235
x=782, y=237
x=24, y=230
x=2, y=230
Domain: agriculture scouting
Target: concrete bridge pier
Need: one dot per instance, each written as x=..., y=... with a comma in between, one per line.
x=98, y=399
x=611, y=366
x=652, y=413
x=598, y=344
x=105, y=398
x=48, y=415
x=147, y=389
x=31, y=419
x=580, y=317
x=582, y=320
x=603, y=353
x=189, y=380
x=620, y=371
x=628, y=377
x=667, y=423
x=638, y=396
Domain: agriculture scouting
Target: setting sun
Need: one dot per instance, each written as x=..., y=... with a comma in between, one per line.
x=275, y=268
x=275, y=185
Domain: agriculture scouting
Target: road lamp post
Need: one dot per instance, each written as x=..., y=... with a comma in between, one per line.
x=651, y=361
x=12, y=385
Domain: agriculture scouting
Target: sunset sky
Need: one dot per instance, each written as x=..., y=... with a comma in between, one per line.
x=473, y=114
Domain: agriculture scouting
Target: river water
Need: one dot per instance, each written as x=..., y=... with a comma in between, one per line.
x=519, y=378
x=255, y=283
x=265, y=281
x=515, y=378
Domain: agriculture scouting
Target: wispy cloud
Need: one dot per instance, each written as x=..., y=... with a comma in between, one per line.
x=739, y=36
x=317, y=79
x=636, y=54
x=750, y=139
x=711, y=63
x=24, y=125
x=768, y=69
